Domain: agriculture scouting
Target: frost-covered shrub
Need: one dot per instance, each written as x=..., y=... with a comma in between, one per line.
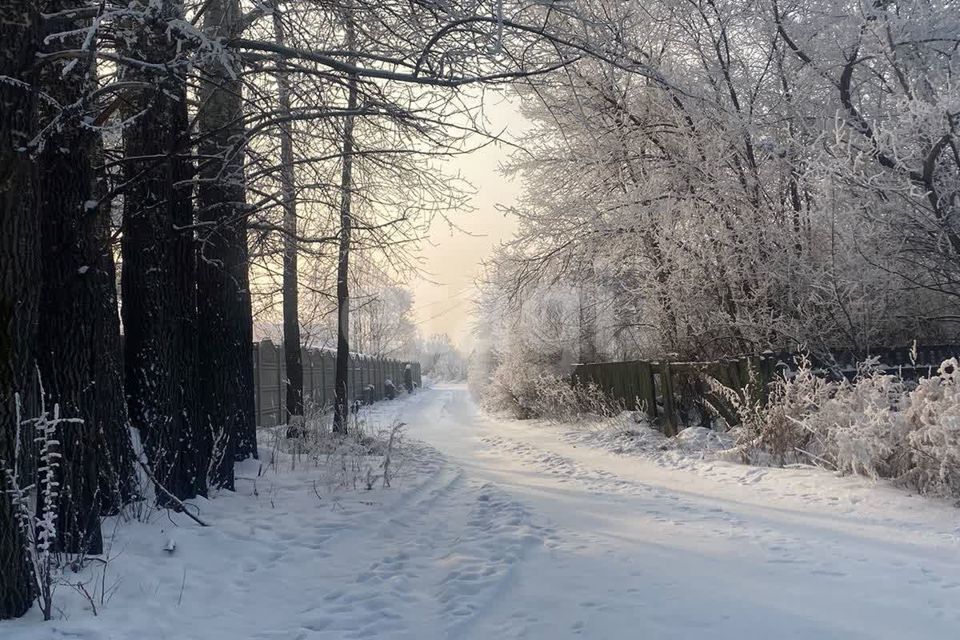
x=873, y=426
x=850, y=427
x=564, y=402
x=776, y=428
x=36, y=506
x=513, y=388
x=526, y=392
x=368, y=455
x=933, y=418
x=861, y=430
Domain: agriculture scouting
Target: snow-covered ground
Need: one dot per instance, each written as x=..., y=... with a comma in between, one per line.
x=504, y=529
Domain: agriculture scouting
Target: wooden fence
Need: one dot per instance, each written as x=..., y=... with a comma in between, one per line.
x=269, y=374
x=907, y=362
x=668, y=391
x=676, y=394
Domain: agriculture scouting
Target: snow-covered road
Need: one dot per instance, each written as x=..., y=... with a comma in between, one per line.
x=608, y=546
x=508, y=530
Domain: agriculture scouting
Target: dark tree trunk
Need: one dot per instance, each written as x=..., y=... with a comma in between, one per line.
x=159, y=276
x=73, y=290
x=225, y=323
x=291, y=326
x=118, y=476
x=341, y=409
x=291, y=311
x=19, y=284
x=78, y=340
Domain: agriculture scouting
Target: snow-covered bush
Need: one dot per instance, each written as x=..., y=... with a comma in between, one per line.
x=933, y=438
x=513, y=388
x=874, y=426
x=560, y=401
x=526, y=391
x=774, y=428
x=368, y=455
x=861, y=430
x=37, y=505
x=851, y=427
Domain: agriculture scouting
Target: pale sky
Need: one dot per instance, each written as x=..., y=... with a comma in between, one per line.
x=452, y=258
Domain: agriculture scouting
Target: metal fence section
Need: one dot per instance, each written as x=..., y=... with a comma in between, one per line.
x=269, y=374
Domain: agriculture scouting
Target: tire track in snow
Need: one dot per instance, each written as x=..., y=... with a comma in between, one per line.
x=780, y=545
x=450, y=545
x=379, y=600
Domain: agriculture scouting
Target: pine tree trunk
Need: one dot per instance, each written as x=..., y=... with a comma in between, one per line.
x=341, y=409
x=19, y=264
x=291, y=313
x=225, y=323
x=159, y=276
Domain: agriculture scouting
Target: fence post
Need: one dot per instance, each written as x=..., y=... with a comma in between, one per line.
x=733, y=373
x=281, y=383
x=648, y=390
x=360, y=373
x=768, y=369
x=323, y=376
x=669, y=408
x=379, y=391
x=256, y=383
x=372, y=381
x=306, y=355
x=352, y=388
x=372, y=377
x=362, y=361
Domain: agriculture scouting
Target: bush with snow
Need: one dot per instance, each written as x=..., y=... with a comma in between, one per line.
x=873, y=426
x=368, y=455
x=933, y=435
x=512, y=388
x=37, y=505
x=527, y=391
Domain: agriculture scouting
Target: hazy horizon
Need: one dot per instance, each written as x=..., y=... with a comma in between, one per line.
x=452, y=257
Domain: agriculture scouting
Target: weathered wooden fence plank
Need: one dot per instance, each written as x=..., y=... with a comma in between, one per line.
x=669, y=404
x=648, y=390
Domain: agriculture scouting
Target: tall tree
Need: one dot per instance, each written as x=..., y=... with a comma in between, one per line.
x=19, y=255
x=118, y=476
x=341, y=399
x=158, y=282
x=291, y=297
x=225, y=324
x=78, y=335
